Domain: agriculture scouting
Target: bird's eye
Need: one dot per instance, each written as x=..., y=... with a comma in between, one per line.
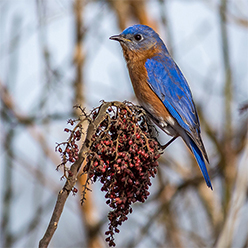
x=137, y=37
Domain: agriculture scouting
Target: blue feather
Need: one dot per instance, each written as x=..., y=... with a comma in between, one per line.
x=200, y=160
x=169, y=84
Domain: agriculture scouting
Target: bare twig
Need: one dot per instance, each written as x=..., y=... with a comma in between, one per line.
x=71, y=180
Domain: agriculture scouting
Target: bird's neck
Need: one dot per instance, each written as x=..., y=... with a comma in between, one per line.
x=138, y=56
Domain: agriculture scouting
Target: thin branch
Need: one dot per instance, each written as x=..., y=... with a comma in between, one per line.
x=72, y=178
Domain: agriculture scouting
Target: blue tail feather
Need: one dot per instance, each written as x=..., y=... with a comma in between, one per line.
x=200, y=160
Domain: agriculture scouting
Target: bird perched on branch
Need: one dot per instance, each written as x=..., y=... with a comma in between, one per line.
x=162, y=90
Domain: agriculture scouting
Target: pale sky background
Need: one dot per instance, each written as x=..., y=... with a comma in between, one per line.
x=196, y=45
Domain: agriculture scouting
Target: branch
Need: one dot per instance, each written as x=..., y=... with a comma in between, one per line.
x=72, y=178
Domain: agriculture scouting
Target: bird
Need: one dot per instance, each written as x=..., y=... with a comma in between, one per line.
x=162, y=90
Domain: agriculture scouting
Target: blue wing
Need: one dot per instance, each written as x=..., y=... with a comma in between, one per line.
x=167, y=81
x=169, y=84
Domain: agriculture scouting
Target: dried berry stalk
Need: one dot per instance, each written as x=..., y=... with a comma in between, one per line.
x=72, y=175
x=119, y=151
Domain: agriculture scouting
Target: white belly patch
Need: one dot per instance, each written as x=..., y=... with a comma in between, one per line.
x=166, y=125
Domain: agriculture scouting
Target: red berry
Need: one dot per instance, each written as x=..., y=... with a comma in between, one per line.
x=75, y=190
x=122, y=161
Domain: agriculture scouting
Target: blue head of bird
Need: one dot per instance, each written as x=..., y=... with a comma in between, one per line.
x=139, y=39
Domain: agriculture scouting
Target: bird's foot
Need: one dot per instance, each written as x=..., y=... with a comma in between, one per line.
x=168, y=143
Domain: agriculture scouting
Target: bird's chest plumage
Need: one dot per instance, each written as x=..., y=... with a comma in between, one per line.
x=148, y=99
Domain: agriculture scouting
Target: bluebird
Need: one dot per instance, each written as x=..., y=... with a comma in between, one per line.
x=162, y=90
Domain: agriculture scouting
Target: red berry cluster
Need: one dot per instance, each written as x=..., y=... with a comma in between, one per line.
x=70, y=151
x=123, y=156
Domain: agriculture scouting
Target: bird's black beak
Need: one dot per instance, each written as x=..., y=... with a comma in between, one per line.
x=118, y=37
